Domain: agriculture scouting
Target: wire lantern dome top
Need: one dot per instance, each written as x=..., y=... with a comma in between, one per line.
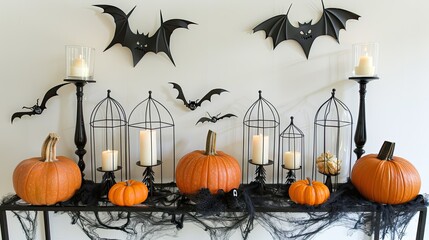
x=261, y=114
x=150, y=114
x=108, y=113
x=333, y=113
x=292, y=131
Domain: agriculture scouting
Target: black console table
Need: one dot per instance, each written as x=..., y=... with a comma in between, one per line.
x=264, y=204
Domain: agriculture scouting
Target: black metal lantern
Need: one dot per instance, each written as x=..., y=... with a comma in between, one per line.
x=332, y=148
x=152, y=140
x=108, y=138
x=292, y=151
x=261, y=125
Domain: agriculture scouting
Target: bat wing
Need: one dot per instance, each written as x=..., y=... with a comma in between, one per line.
x=228, y=115
x=203, y=120
x=210, y=94
x=278, y=28
x=160, y=41
x=20, y=114
x=123, y=35
x=49, y=94
x=181, y=96
x=121, y=21
x=334, y=19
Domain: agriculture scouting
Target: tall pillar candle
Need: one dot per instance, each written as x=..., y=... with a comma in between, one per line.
x=292, y=160
x=365, y=66
x=260, y=149
x=148, y=150
x=109, y=160
x=79, y=68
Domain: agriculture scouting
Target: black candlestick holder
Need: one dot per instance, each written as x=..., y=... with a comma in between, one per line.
x=149, y=176
x=261, y=174
x=290, y=178
x=360, y=134
x=108, y=180
x=80, y=134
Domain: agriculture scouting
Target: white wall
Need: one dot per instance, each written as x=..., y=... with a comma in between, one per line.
x=220, y=51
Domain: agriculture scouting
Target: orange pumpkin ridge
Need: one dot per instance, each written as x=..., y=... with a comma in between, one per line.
x=385, y=178
x=128, y=193
x=48, y=179
x=308, y=192
x=207, y=169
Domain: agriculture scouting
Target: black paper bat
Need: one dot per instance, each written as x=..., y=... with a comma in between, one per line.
x=214, y=119
x=280, y=29
x=38, y=109
x=197, y=103
x=140, y=44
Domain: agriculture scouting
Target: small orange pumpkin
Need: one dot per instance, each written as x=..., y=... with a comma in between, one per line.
x=385, y=178
x=210, y=169
x=48, y=179
x=309, y=192
x=128, y=193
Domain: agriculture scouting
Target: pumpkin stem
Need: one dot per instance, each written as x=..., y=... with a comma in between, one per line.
x=386, y=151
x=211, y=143
x=49, y=152
x=310, y=183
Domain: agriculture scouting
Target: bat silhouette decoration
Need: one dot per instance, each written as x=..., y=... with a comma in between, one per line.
x=38, y=109
x=280, y=29
x=215, y=118
x=197, y=103
x=139, y=43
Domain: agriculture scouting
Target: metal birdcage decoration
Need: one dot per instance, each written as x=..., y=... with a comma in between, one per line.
x=152, y=141
x=292, y=151
x=332, y=148
x=108, y=136
x=261, y=125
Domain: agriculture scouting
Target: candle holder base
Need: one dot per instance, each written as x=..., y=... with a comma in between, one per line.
x=290, y=178
x=107, y=182
x=158, y=162
x=80, y=134
x=149, y=176
x=360, y=133
x=270, y=162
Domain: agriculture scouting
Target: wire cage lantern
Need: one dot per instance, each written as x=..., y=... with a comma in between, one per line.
x=332, y=147
x=292, y=151
x=108, y=137
x=152, y=141
x=261, y=126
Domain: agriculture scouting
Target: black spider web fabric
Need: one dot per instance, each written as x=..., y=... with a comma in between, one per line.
x=225, y=213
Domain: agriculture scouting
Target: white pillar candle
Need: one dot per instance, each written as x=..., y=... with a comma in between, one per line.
x=260, y=149
x=365, y=66
x=109, y=160
x=148, y=150
x=79, y=68
x=292, y=160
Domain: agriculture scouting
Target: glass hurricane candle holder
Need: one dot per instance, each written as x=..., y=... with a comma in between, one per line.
x=365, y=59
x=80, y=63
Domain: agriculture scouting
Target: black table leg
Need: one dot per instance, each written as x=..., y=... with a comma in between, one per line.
x=47, y=226
x=422, y=224
x=3, y=223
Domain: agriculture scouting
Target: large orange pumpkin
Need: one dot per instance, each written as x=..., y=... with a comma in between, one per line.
x=209, y=169
x=309, y=192
x=48, y=179
x=128, y=193
x=385, y=178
